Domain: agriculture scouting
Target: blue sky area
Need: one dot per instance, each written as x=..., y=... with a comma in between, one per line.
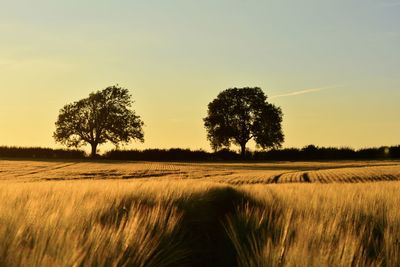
x=333, y=66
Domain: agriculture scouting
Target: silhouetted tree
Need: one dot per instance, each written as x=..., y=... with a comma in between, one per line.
x=238, y=115
x=103, y=116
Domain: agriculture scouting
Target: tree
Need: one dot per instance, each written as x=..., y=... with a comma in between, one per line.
x=238, y=115
x=103, y=116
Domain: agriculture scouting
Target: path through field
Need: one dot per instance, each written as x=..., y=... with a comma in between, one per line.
x=109, y=213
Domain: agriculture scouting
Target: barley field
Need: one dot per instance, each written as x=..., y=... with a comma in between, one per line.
x=83, y=213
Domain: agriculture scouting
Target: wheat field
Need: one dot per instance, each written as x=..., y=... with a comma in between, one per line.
x=82, y=213
x=225, y=173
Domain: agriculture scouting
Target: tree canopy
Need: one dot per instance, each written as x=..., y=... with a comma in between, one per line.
x=104, y=116
x=238, y=115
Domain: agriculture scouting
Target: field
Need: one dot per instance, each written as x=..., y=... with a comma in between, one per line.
x=82, y=213
x=225, y=173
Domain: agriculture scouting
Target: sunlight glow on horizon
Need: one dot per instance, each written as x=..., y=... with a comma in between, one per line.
x=333, y=67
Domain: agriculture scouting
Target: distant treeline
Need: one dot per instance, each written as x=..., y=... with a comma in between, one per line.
x=173, y=154
x=310, y=152
x=39, y=152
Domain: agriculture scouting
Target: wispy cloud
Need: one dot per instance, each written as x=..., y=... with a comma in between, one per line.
x=306, y=91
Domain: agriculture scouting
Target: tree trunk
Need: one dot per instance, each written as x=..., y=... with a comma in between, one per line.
x=94, y=150
x=243, y=150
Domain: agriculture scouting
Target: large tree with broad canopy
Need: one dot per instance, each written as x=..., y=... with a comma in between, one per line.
x=103, y=116
x=238, y=115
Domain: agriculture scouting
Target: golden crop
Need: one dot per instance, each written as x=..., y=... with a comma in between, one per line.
x=208, y=214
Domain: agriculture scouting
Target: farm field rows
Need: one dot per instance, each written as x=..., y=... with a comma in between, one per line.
x=233, y=173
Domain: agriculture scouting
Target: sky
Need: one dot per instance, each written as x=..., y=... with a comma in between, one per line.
x=332, y=66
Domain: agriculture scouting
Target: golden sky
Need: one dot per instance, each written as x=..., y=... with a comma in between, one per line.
x=333, y=66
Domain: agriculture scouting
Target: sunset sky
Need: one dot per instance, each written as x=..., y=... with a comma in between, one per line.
x=332, y=66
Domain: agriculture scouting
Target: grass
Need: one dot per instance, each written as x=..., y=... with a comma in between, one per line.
x=191, y=217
